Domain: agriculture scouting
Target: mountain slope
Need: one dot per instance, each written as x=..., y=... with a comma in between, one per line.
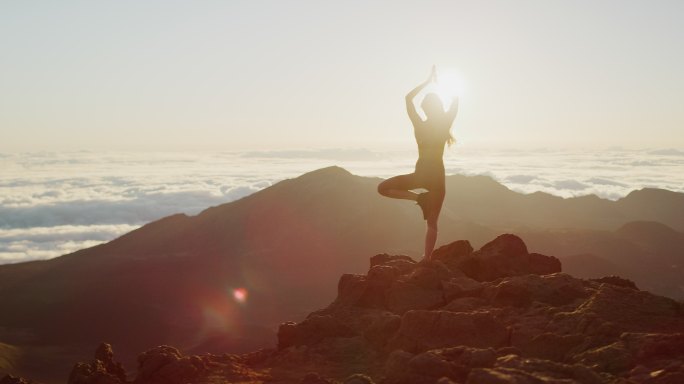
x=650, y=253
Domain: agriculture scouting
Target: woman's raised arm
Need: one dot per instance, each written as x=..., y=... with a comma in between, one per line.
x=453, y=110
x=410, y=107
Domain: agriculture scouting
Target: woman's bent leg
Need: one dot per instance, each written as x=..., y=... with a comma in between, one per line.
x=399, y=187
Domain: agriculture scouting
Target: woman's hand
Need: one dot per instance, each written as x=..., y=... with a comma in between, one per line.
x=433, y=74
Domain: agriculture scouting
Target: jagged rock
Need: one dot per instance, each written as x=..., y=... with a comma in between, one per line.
x=514, y=370
x=404, y=296
x=166, y=365
x=651, y=352
x=454, y=252
x=547, y=345
x=311, y=330
x=391, y=260
x=555, y=289
x=396, y=368
x=102, y=370
x=315, y=378
x=105, y=354
x=350, y=289
x=427, y=367
x=258, y=356
x=9, y=379
x=381, y=329
x=379, y=279
x=465, y=304
x=428, y=275
x=457, y=287
x=421, y=330
x=504, y=256
x=612, y=310
x=358, y=379
x=618, y=281
x=542, y=264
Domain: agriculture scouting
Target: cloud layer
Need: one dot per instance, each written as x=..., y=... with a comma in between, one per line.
x=56, y=203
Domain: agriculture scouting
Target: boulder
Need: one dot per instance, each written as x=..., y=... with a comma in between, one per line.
x=504, y=256
x=556, y=290
x=516, y=370
x=650, y=351
x=102, y=370
x=358, y=378
x=165, y=364
x=315, y=378
x=623, y=310
x=421, y=330
x=381, y=329
x=312, y=330
x=453, y=253
x=9, y=379
x=427, y=367
x=404, y=296
x=463, y=286
x=392, y=260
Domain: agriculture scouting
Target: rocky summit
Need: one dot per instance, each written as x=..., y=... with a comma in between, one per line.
x=490, y=316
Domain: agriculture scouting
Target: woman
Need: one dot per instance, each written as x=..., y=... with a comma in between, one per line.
x=431, y=135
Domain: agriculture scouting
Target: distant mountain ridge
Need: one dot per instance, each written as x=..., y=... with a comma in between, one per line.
x=286, y=245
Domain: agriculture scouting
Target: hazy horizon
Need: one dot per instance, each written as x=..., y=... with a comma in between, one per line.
x=53, y=203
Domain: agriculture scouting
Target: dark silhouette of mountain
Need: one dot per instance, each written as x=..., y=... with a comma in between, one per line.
x=482, y=200
x=588, y=265
x=650, y=253
x=498, y=315
x=173, y=280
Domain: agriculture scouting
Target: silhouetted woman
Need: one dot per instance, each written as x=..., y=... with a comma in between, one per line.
x=431, y=136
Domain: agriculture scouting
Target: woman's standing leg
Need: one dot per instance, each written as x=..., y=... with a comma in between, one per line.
x=436, y=200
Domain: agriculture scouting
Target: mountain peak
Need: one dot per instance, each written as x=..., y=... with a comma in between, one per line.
x=331, y=171
x=650, y=193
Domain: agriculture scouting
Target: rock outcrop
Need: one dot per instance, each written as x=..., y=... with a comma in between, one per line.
x=9, y=379
x=495, y=315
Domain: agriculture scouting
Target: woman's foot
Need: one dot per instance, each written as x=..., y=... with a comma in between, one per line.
x=422, y=200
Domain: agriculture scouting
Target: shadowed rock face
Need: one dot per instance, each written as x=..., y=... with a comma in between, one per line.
x=495, y=315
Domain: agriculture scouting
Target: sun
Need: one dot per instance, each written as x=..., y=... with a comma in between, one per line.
x=450, y=84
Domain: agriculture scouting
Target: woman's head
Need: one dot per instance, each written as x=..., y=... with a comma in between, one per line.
x=432, y=105
x=433, y=108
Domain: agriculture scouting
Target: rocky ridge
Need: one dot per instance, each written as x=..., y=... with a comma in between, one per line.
x=496, y=315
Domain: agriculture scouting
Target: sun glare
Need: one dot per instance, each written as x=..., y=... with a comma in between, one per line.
x=450, y=84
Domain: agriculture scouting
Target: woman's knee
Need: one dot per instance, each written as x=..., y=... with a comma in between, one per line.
x=382, y=188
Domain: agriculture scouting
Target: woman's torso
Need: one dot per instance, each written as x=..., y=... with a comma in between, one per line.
x=431, y=138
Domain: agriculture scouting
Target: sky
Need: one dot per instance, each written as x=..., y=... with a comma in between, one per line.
x=234, y=75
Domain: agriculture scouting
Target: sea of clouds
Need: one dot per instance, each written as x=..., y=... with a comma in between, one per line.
x=56, y=203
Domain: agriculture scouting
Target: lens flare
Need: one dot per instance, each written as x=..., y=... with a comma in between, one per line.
x=240, y=295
